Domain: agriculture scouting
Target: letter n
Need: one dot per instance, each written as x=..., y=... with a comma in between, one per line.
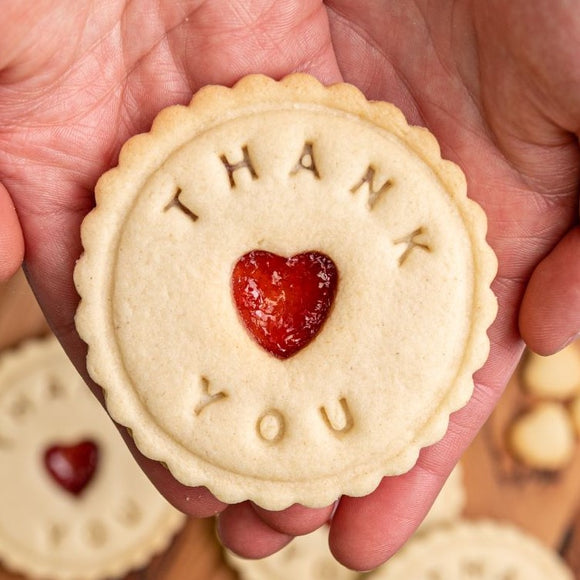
x=374, y=190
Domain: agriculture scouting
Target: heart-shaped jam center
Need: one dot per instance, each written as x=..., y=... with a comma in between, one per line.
x=283, y=302
x=72, y=466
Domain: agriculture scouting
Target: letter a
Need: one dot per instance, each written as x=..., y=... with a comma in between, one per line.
x=306, y=162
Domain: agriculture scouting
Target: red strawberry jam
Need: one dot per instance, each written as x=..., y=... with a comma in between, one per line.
x=283, y=302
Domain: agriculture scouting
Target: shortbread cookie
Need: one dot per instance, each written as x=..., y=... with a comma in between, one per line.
x=285, y=291
x=449, y=504
x=304, y=558
x=543, y=437
x=484, y=550
x=74, y=505
x=556, y=376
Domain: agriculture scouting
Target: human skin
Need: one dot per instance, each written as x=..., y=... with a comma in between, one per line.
x=497, y=82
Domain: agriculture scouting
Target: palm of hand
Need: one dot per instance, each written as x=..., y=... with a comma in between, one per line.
x=70, y=100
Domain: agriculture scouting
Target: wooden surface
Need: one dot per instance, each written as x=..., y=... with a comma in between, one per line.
x=545, y=504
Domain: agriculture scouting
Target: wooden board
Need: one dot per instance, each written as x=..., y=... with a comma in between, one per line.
x=545, y=504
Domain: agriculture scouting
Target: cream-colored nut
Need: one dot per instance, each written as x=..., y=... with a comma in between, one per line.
x=556, y=376
x=543, y=438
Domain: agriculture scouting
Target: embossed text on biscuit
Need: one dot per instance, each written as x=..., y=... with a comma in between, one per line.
x=56, y=389
x=416, y=239
x=338, y=417
x=56, y=532
x=306, y=162
x=208, y=396
x=20, y=407
x=130, y=513
x=97, y=531
x=271, y=426
x=368, y=182
x=176, y=203
x=233, y=167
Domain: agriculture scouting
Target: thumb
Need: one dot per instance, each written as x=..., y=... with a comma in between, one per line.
x=550, y=310
x=11, y=240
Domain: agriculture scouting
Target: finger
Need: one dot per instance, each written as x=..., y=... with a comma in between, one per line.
x=296, y=520
x=197, y=502
x=193, y=501
x=550, y=311
x=367, y=531
x=11, y=240
x=242, y=531
x=273, y=38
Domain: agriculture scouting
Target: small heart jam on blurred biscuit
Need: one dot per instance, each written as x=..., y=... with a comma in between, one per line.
x=72, y=466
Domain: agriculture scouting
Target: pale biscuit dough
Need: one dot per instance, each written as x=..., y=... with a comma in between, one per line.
x=543, y=437
x=556, y=376
x=287, y=167
x=484, y=550
x=118, y=522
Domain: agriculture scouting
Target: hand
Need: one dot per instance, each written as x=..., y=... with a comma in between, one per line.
x=78, y=79
x=498, y=83
x=504, y=102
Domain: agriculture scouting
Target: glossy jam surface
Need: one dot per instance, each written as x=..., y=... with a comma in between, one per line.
x=284, y=302
x=72, y=466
